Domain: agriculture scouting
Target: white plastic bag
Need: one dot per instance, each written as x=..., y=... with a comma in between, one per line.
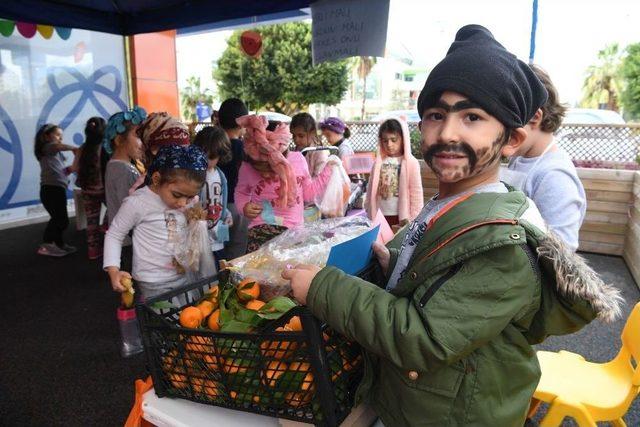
x=192, y=251
x=307, y=244
x=333, y=201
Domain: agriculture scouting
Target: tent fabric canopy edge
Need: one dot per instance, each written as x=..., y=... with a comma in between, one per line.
x=141, y=16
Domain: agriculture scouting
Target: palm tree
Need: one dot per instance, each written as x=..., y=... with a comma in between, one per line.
x=602, y=85
x=190, y=96
x=364, y=65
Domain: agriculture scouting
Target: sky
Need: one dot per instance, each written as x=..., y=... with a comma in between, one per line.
x=569, y=35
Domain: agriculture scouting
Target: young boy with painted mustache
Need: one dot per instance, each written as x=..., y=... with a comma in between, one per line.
x=448, y=338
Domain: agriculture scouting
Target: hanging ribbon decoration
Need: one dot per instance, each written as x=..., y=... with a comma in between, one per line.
x=28, y=30
x=534, y=27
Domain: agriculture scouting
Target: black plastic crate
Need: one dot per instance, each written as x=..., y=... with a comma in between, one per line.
x=308, y=376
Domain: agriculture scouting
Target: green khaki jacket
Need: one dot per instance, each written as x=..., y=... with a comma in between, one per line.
x=448, y=345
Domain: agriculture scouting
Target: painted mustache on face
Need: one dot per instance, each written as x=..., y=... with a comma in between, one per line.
x=460, y=148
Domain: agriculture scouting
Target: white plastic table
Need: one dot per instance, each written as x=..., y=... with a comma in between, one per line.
x=171, y=412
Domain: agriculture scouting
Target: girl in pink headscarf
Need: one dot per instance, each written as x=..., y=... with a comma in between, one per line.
x=273, y=182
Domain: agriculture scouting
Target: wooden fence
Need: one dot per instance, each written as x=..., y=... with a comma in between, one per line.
x=608, y=228
x=631, y=252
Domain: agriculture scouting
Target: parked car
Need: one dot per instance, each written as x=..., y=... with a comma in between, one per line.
x=410, y=115
x=278, y=117
x=592, y=116
x=590, y=134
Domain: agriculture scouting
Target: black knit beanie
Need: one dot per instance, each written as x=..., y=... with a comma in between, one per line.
x=480, y=68
x=230, y=110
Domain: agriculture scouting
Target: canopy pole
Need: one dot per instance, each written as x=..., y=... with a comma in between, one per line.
x=534, y=27
x=128, y=69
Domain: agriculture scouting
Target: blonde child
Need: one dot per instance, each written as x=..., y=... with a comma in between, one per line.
x=395, y=184
x=214, y=142
x=48, y=148
x=273, y=182
x=154, y=213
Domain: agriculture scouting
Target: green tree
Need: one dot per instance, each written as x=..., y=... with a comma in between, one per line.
x=602, y=85
x=283, y=78
x=630, y=73
x=364, y=65
x=190, y=96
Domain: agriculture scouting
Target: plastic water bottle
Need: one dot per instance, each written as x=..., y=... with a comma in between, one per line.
x=130, y=332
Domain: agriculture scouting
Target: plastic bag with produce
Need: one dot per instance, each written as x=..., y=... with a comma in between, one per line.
x=307, y=244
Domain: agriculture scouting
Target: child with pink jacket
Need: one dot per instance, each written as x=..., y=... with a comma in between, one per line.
x=273, y=182
x=395, y=184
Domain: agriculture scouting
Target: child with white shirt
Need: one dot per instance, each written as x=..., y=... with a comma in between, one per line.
x=155, y=213
x=214, y=142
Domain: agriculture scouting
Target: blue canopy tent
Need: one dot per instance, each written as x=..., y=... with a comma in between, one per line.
x=128, y=17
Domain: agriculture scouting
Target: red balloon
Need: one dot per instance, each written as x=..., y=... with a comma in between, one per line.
x=28, y=30
x=251, y=43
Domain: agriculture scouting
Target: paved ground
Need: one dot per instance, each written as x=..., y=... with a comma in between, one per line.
x=59, y=356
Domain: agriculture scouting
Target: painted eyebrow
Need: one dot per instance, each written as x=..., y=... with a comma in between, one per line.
x=458, y=106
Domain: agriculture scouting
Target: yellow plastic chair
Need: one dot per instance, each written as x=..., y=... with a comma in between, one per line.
x=590, y=392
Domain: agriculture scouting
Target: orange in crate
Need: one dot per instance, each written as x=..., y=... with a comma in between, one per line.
x=206, y=386
x=206, y=307
x=274, y=371
x=279, y=349
x=211, y=361
x=234, y=366
x=214, y=321
x=255, y=304
x=191, y=317
x=199, y=344
x=295, y=324
x=307, y=382
x=247, y=290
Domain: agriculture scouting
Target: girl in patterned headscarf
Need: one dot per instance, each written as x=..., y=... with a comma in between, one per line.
x=156, y=212
x=273, y=182
x=160, y=129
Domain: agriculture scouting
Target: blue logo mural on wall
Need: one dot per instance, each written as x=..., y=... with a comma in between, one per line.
x=13, y=147
x=88, y=89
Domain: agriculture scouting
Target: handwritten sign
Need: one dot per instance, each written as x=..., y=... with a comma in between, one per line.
x=345, y=28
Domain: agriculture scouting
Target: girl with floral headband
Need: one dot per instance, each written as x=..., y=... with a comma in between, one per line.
x=273, y=182
x=124, y=168
x=156, y=214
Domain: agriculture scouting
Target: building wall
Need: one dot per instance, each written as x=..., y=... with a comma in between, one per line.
x=54, y=80
x=154, y=72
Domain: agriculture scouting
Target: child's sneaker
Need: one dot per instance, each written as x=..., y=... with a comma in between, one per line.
x=68, y=248
x=50, y=249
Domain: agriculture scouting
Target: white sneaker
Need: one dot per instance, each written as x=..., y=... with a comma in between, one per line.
x=50, y=249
